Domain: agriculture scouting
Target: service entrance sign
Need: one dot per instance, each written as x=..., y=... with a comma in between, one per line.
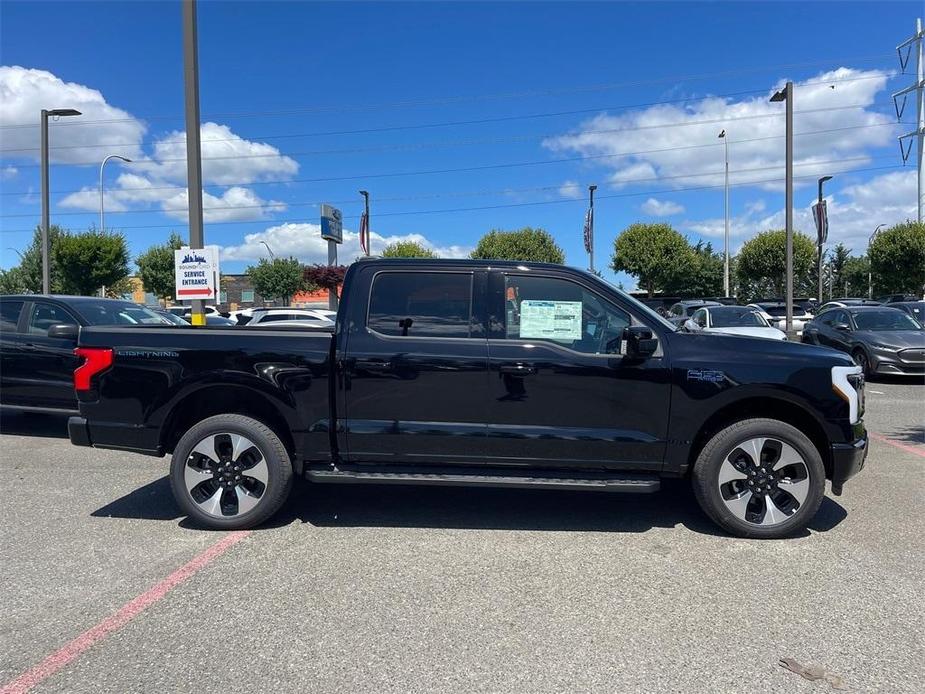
x=196, y=273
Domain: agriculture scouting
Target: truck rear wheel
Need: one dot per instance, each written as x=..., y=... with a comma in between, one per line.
x=760, y=478
x=230, y=472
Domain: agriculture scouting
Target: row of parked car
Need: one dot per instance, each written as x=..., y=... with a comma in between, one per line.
x=280, y=316
x=883, y=337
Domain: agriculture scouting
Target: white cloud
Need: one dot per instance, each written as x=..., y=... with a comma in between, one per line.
x=854, y=212
x=664, y=143
x=8, y=173
x=25, y=92
x=303, y=241
x=661, y=208
x=571, y=189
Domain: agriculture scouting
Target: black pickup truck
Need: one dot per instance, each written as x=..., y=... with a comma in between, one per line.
x=478, y=373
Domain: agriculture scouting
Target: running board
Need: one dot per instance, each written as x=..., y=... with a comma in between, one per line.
x=616, y=482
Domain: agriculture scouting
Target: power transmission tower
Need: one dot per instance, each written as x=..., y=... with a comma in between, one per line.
x=915, y=42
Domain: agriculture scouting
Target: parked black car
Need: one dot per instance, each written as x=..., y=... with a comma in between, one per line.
x=38, y=335
x=916, y=309
x=486, y=373
x=881, y=340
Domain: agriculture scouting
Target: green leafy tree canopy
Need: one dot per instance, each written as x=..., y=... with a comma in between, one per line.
x=278, y=278
x=527, y=244
x=897, y=258
x=655, y=254
x=90, y=260
x=407, y=249
x=156, y=267
x=761, y=265
x=26, y=278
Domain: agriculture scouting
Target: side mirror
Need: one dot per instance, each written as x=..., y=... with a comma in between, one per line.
x=690, y=325
x=843, y=327
x=64, y=331
x=639, y=342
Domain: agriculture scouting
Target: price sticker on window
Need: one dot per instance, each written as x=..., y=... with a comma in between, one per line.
x=553, y=320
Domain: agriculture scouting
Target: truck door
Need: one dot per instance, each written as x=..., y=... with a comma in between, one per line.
x=49, y=378
x=415, y=371
x=561, y=393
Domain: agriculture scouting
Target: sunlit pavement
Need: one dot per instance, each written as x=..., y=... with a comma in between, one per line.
x=410, y=589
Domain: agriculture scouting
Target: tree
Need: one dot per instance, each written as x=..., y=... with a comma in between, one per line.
x=325, y=276
x=156, y=267
x=704, y=274
x=278, y=278
x=761, y=265
x=90, y=260
x=840, y=255
x=528, y=244
x=897, y=258
x=655, y=254
x=407, y=249
x=27, y=276
x=854, y=277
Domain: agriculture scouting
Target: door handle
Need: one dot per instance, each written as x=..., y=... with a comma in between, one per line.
x=372, y=365
x=517, y=370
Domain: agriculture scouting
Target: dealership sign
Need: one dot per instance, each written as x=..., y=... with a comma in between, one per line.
x=196, y=273
x=332, y=227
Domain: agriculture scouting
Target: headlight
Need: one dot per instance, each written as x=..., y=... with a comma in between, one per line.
x=848, y=384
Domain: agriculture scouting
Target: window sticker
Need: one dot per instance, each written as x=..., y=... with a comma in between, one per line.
x=553, y=320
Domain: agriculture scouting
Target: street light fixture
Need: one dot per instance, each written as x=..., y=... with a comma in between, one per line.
x=786, y=94
x=870, y=273
x=111, y=156
x=270, y=250
x=46, y=254
x=821, y=235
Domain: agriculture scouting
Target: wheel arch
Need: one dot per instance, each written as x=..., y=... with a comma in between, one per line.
x=225, y=399
x=769, y=407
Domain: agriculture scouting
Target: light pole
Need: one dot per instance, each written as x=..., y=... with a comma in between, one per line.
x=722, y=136
x=589, y=228
x=821, y=234
x=111, y=156
x=270, y=250
x=786, y=94
x=870, y=273
x=46, y=259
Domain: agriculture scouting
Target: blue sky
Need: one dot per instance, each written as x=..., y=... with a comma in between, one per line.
x=629, y=97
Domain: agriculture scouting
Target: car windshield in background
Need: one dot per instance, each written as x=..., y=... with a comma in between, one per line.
x=777, y=311
x=890, y=319
x=736, y=317
x=113, y=313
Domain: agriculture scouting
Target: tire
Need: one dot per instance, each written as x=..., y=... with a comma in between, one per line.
x=209, y=472
x=861, y=359
x=791, y=475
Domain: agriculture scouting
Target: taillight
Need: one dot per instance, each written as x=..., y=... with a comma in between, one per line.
x=96, y=360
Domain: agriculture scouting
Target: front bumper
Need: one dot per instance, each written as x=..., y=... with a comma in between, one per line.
x=847, y=460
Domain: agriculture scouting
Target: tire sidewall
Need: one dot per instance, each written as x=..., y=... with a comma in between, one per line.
x=279, y=470
x=706, y=473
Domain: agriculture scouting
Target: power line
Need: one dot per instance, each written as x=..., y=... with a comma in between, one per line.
x=270, y=205
x=446, y=123
x=657, y=126
x=486, y=207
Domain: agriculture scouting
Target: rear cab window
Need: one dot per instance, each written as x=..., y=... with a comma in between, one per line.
x=421, y=304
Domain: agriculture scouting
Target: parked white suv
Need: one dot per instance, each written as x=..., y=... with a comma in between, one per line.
x=304, y=316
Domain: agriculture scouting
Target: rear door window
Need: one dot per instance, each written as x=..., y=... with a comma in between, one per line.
x=9, y=315
x=421, y=304
x=45, y=315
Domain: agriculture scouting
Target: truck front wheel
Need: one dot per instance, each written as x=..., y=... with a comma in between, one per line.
x=760, y=478
x=230, y=472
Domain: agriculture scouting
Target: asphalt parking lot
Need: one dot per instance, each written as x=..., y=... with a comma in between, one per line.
x=426, y=589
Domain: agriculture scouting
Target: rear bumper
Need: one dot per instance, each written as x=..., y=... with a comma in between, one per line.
x=120, y=437
x=847, y=460
x=78, y=432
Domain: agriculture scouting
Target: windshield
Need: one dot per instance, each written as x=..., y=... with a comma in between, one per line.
x=777, y=311
x=736, y=317
x=117, y=313
x=891, y=319
x=918, y=311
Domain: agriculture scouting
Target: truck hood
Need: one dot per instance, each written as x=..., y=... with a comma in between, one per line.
x=717, y=346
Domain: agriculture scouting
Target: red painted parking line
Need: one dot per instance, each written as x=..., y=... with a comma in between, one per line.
x=60, y=658
x=916, y=450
